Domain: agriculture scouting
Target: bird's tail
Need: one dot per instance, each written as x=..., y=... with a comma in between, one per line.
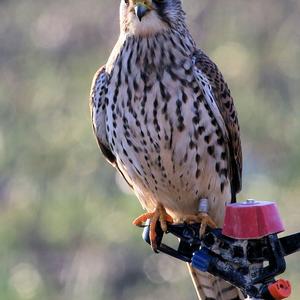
x=209, y=287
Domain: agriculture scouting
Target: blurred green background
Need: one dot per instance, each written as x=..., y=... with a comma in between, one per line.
x=65, y=219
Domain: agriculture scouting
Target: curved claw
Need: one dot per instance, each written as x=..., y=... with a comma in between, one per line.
x=160, y=215
x=142, y=219
x=204, y=219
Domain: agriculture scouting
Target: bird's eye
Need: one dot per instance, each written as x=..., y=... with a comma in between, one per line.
x=126, y=2
x=159, y=2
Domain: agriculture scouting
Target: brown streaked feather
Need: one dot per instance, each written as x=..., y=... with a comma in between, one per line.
x=209, y=287
x=227, y=109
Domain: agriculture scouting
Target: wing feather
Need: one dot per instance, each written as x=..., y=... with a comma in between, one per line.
x=98, y=112
x=229, y=120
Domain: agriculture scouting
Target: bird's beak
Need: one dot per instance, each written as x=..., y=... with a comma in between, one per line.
x=141, y=9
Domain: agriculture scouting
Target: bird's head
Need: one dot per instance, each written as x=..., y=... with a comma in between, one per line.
x=148, y=17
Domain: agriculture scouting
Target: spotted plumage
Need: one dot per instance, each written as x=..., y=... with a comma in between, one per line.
x=164, y=117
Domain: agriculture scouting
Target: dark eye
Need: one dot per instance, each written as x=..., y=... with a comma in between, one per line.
x=159, y=2
x=126, y=2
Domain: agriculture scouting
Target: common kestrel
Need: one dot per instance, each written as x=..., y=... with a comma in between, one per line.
x=164, y=117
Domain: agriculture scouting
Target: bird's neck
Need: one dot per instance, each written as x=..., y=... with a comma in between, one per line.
x=160, y=50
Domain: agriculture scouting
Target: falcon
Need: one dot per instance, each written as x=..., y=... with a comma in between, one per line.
x=164, y=117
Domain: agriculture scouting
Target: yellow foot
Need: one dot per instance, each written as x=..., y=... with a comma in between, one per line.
x=160, y=215
x=202, y=218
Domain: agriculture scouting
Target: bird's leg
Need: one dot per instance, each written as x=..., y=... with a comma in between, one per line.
x=201, y=217
x=159, y=215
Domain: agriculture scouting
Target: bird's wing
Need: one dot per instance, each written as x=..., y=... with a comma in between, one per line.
x=221, y=104
x=98, y=112
x=97, y=103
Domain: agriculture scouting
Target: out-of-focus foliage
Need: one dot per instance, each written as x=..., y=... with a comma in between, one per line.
x=65, y=230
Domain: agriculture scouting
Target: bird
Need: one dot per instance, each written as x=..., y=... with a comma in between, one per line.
x=164, y=117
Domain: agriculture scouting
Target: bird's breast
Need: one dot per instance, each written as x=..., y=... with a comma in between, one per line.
x=165, y=138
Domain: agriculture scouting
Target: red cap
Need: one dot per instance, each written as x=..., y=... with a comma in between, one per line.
x=281, y=289
x=252, y=220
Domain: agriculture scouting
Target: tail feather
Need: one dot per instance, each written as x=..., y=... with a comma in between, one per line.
x=209, y=287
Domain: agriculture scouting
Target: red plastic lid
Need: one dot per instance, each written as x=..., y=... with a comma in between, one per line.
x=252, y=220
x=281, y=289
